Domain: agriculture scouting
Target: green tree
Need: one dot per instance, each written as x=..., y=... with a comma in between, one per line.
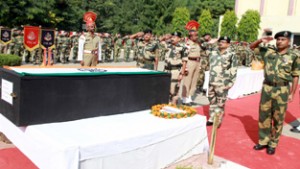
x=206, y=22
x=228, y=26
x=180, y=17
x=248, y=26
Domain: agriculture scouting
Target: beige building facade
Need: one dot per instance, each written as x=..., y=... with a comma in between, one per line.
x=278, y=15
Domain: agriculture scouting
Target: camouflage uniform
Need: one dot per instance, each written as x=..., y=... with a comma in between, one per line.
x=37, y=55
x=63, y=48
x=173, y=63
x=18, y=47
x=279, y=70
x=204, y=63
x=163, y=48
x=147, y=52
x=129, y=43
x=106, y=48
x=74, y=44
x=117, y=47
x=223, y=70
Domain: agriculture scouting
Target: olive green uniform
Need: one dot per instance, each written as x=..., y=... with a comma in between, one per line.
x=279, y=71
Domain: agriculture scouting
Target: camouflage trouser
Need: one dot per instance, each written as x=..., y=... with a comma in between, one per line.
x=217, y=96
x=273, y=105
x=127, y=54
x=201, y=78
x=117, y=53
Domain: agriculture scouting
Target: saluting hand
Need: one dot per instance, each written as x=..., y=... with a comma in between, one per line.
x=267, y=39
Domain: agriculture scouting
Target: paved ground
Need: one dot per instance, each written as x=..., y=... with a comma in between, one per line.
x=197, y=161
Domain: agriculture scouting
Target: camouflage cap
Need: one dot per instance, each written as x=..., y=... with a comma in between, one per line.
x=176, y=34
x=224, y=38
x=286, y=34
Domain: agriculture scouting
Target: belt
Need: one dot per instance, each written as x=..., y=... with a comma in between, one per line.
x=278, y=84
x=174, y=67
x=88, y=51
x=197, y=59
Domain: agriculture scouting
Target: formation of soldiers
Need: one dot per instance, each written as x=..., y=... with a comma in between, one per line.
x=115, y=48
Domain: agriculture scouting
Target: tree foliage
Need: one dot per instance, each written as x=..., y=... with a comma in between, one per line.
x=180, y=17
x=228, y=26
x=248, y=26
x=124, y=16
x=206, y=22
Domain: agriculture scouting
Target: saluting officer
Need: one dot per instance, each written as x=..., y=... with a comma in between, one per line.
x=173, y=64
x=281, y=67
x=222, y=75
x=147, y=50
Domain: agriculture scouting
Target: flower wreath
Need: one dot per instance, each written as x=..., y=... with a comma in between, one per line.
x=186, y=111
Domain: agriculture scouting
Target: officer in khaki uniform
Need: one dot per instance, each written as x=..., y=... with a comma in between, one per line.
x=147, y=50
x=222, y=75
x=281, y=67
x=90, y=52
x=191, y=67
x=173, y=63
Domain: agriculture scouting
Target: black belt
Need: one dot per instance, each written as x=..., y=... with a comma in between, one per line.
x=195, y=59
x=174, y=67
x=277, y=84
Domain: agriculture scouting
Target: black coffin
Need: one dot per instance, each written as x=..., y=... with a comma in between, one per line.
x=45, y=99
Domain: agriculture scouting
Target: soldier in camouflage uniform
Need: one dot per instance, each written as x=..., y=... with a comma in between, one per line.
x=163, y=46
x=173, y=63
x=222, y=75
x=206, y=47
x=128, y=44
x=18, y=44
x=147, y=51
x=118, y=45
x=281, y=67
x=74, y=40
x=63, y=46
x=107, y=47
x=37, y=55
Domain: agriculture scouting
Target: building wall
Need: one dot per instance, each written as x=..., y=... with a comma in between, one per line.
x=275, y=14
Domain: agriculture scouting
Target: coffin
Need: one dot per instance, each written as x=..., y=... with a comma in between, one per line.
x=45, y=95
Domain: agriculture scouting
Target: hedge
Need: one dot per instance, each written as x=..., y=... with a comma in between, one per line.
x=10, y=60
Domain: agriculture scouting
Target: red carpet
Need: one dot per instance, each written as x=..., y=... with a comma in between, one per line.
x=12, y=158
x=239, y=133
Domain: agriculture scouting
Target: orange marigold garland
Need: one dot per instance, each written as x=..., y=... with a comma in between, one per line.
x=187, y=111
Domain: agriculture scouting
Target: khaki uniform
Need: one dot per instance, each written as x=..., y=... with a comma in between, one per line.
x=193, y=68
x=173, y=63
x=279, y=71
x=147, y=52
x=222, y=74
x=91, y=43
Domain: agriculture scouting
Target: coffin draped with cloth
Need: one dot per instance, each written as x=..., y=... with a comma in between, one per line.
x=44, y=95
